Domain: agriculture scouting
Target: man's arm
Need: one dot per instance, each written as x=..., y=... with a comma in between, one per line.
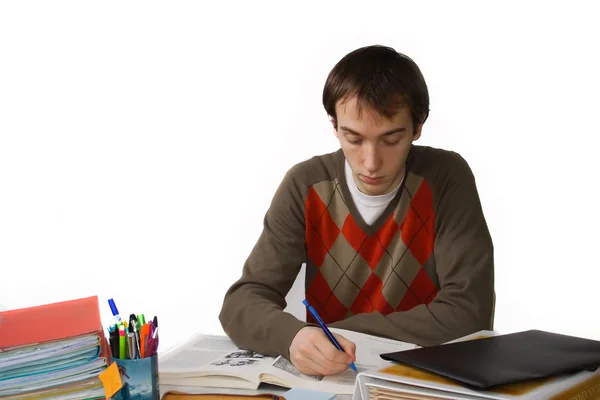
x=252, y=313
x=464, y=259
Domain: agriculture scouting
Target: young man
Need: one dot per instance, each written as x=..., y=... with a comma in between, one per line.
x=393, y=234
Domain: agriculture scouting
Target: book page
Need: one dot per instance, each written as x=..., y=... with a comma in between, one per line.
x=195, y=353
x=202, y=357
x=368, y=348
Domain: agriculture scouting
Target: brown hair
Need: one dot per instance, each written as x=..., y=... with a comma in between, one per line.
x=382, y=79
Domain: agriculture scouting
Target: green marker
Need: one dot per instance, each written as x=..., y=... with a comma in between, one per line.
x=141, y=320
x=122, y=343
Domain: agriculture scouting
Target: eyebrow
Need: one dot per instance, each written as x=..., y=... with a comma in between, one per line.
x=388, y=133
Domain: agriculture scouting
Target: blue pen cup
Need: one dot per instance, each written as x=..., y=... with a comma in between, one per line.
x=140, y=379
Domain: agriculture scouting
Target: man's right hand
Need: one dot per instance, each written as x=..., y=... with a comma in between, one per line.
x=313, y=353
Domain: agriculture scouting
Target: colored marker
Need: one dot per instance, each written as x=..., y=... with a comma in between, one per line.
x=122, y=343
x=154, y=341
x=115, y=311
x=141, y=320
x=144, y=340
x=155, y=333
x=114, y=343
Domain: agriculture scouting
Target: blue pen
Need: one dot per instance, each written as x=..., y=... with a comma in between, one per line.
x=115, y=312
x=326, y=330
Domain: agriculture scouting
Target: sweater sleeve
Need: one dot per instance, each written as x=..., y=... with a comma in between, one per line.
x=463, y=252
x=252, y=312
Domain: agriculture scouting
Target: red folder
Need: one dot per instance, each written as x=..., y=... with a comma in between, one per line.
x=51, y=322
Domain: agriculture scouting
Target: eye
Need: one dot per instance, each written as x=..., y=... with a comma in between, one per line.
x=355, y=142
x=390, y=142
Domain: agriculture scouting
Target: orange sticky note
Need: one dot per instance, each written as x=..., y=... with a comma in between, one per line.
x=111, y=379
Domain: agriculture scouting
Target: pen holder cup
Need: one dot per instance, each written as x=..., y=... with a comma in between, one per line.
x=139, y=378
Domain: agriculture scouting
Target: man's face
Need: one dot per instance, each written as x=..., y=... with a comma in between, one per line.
x=376, y=147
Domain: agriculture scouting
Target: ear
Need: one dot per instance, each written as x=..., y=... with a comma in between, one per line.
x=417, y=134
x=334, y=124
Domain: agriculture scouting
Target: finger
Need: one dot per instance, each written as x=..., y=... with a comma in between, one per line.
x=310, y=367
x=324, y=368
x=348, y=346
x=320, y=344
x=311, y=362
x=330, y=355
x=307, y=370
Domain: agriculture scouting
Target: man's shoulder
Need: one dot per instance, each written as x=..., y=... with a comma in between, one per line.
x=316, y=169
x=300, y=177
x=427, y=160
x=440, y=168
x=434, y=156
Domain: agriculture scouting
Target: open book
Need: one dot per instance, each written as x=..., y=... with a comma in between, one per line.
x=214, y=361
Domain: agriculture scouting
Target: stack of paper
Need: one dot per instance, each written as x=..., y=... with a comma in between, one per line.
x=58, y=361
x=399, y=381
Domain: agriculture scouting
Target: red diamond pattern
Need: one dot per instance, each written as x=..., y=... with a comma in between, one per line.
x=321, y=230
x=418, y=225
x=371, y=298
x=422, y=290
x=422, y=286
x=352, y=232
x=319, y=289
x=408, y=301
x=330, y=308
x=372, y=248
x=318, y=308
x=335, y=310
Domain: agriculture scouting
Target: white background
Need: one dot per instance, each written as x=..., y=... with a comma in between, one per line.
x=141, y=142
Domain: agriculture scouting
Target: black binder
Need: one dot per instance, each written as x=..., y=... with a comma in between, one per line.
x=486, y=363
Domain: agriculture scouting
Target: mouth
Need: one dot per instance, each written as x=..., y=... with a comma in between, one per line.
x=371, y=180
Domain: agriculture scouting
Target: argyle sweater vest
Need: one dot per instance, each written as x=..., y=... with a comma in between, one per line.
x=351, y=270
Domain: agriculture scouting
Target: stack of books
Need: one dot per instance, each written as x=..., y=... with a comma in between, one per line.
x=524, y=365
x=53, y=351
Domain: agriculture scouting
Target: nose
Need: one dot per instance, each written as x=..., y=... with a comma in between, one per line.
x=372, y=160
